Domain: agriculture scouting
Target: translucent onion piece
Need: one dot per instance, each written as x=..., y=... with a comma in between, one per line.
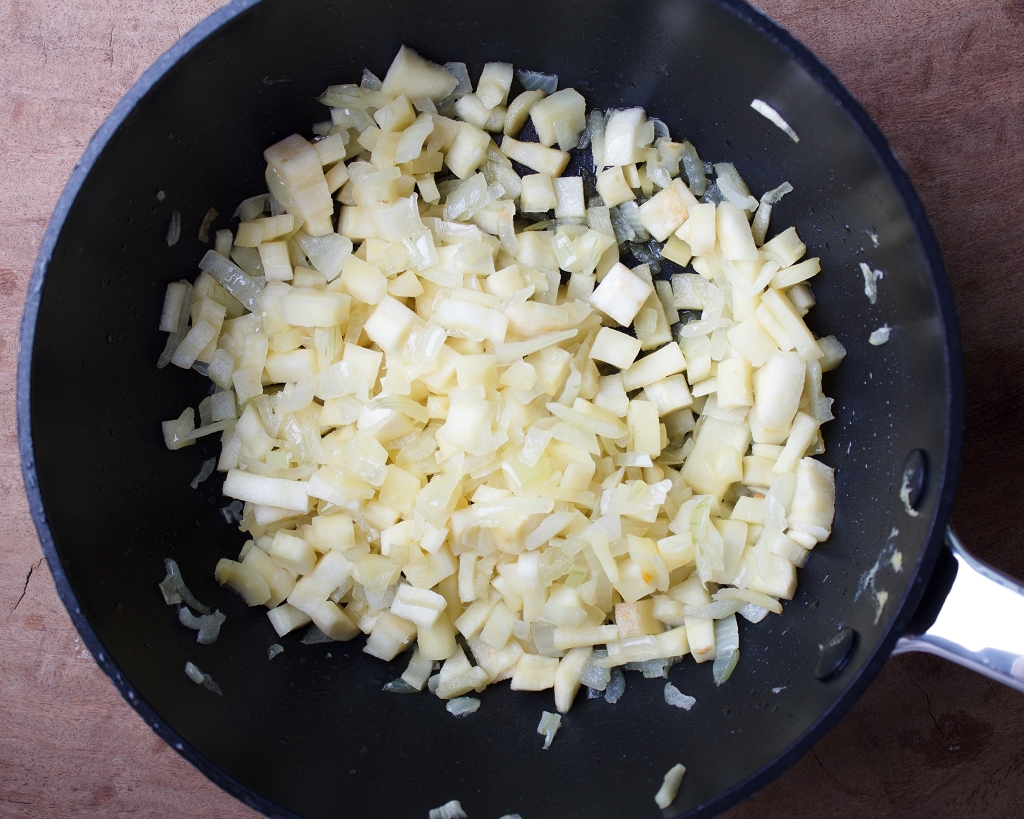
x=233, y=279
x=673, y=696
x=462, y=706
x=208, y=625
x=175, y=591
x=174, y=339
x=548, y=727
x=535, y=80
x=199, y=678
x=616, y=686
x=727, y=647
x=449, y=810
x=174, y=228
x=204, y=472
x=273, y=650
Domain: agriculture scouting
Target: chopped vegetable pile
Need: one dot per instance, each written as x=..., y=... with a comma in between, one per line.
x=532, y=426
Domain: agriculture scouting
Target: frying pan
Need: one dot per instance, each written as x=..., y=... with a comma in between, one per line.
x=311, y=734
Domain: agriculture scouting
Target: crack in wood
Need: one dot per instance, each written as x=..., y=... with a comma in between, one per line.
x=28, y=577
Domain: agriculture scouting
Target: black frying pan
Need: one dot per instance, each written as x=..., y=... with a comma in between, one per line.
x=311, y=734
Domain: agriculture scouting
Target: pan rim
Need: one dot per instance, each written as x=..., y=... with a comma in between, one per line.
x=946, y=473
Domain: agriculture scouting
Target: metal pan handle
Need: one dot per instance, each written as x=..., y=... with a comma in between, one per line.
x=972, y=615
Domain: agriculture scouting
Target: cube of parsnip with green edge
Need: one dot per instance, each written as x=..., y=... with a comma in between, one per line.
x=566, y=105
x=621, y=294
x=468, y=151
x=613, y=187
x=615, y=348
x=735, y=383
x=538, y=194
x=243, y=580
x=569, y=196
x=622, y=137
x=666, y=211
x=534, y=156
x=669, y=394
x=416, y=77
x=534, y=673
x=286, y=618
x=733, y=231
x=699, y=231
x=660, y=364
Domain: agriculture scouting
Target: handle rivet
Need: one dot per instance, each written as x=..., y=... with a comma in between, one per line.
x=835, y=652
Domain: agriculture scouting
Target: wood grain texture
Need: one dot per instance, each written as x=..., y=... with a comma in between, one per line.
x=944, y=79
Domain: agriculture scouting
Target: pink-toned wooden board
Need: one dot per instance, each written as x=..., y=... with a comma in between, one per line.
x=945, y=81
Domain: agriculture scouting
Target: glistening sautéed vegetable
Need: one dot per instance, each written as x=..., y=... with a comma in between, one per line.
x=459, y=407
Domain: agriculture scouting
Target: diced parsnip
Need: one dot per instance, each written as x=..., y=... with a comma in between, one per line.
x=260, y=489
x=244, y=580
x=519, y=110
x=535, y=673
x=714, y=436
x=771, y=575
x=784, y=312
x=666, y=794
x=266, y=229
x=735, y=383
x=785, y=547
x=733, y=231
x=196, y=340
x=276, y=262
x=814, y=501
x=307, y=307
x=472, y=109
x=615, y=348
x=390, y=636
x=656, y=366
x=621, y=294
x=700, y=634
x=458, y=677
x=296, y=164
x=834, y=353
x=534, y=156
x=331, y=619
x=567, y=676
x=666, y=211
x=613, y=187
x=786, y=248
x=416, y=77
x=538, y=194
x=622, y=142
x=644, y=428
x=569, y=193
x=566, y=107
x=636, y=619
x=801, y=272
x=468, y=151
x=778, y=386
x=286, y=618
x=498, y=629
x=801, y=435
x=437, y=642
x=699, y=231
x=419, y=606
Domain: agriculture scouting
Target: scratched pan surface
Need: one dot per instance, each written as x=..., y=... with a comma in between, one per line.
x=311, y=733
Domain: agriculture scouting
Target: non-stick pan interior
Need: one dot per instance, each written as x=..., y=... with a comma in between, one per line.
x=311, y=732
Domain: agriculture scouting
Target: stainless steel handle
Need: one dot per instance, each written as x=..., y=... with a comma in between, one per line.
x=981, y=621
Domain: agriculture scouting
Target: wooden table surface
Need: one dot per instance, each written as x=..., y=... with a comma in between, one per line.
x=944, y=79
